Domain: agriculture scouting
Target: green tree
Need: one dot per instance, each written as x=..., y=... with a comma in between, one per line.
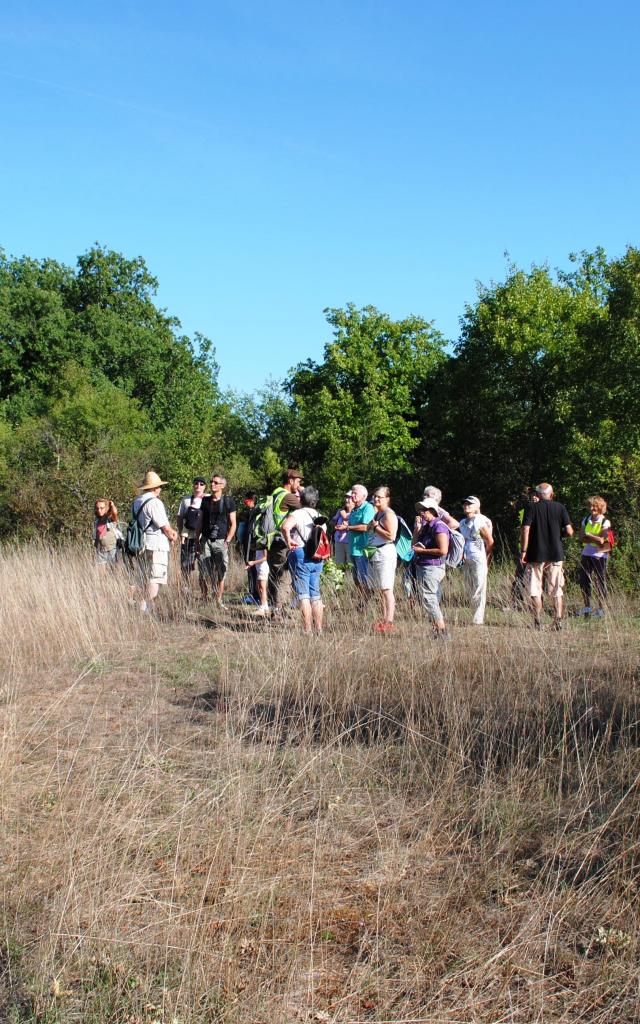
x=356, y=414
x=94, y=441
x=505, y=403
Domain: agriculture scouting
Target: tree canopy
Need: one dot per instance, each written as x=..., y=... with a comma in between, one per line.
x=97, y=383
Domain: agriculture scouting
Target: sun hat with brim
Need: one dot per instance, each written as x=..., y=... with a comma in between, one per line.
x=151, y=481
x=426, y=503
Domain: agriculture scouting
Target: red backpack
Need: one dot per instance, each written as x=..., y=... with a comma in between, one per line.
x=317, y=546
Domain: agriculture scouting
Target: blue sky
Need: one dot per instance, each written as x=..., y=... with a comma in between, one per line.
x=269, y=160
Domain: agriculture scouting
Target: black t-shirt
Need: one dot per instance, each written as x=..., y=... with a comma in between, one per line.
x=215, y=517
x=547, y=520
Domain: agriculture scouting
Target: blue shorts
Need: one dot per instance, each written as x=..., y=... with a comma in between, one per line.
x=305, y=576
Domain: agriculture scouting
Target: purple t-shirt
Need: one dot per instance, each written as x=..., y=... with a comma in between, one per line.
x=427, y=537
x=340, y=536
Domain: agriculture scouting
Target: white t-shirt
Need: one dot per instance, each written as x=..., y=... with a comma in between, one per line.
x=152, y=518
x=302, y=525
x=470, y=526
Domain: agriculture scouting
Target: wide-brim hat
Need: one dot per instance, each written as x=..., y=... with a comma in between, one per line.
x=151, y=481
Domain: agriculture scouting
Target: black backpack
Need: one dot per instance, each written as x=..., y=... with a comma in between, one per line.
x=193, y=518
x=134, y=537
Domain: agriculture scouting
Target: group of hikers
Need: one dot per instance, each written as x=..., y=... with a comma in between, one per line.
x=286, y=532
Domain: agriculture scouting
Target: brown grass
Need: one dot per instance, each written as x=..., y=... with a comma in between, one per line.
x=207, y=818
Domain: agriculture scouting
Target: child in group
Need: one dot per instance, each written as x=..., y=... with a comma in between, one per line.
x=261, y=566
x=106, y=533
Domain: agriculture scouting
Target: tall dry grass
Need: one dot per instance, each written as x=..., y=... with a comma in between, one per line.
x=208, y=818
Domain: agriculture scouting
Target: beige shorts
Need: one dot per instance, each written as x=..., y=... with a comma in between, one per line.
x=155, y=566
x=549, y=574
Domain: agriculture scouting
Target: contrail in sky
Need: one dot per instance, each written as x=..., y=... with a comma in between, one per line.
x=105, y=99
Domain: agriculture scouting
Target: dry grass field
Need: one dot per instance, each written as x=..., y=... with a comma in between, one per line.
x=209, y=818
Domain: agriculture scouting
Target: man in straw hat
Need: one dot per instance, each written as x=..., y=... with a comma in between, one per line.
x=159, y=536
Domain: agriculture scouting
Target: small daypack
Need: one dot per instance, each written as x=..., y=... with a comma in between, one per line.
x=404, y=538
x=193, y=518
x=455, y=554
x=317, y=546
x=134, y=540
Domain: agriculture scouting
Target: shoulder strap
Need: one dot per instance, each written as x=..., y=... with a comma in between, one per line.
x=137, y=515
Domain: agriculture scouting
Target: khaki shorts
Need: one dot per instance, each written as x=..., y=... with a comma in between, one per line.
x=214, y=560
x=553, y=579
x=155, y=566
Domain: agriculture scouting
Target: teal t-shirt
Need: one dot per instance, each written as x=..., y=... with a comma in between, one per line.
x=358, y=541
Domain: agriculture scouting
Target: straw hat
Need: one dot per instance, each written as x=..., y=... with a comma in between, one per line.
x=151, y=481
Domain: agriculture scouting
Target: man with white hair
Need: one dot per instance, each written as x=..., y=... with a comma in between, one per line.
x=544, y=523
x=357, y=530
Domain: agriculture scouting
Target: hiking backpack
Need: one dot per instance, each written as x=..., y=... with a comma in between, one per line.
x=193, y=518
x=455, y=554
x=317, y=546
x=403, y=541
x=268, y=519
x=134, y=540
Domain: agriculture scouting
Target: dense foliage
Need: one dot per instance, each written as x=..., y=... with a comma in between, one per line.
x=97, y=384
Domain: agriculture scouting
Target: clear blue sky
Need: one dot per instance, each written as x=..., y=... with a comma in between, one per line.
x=269, y=160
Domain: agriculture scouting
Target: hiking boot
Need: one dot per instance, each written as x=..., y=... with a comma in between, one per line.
x=557, y=625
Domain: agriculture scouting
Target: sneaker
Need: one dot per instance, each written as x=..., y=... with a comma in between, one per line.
x=261, y=611
x=558, y=625
x=383, y=627
x=598, y=613
x=584, y=611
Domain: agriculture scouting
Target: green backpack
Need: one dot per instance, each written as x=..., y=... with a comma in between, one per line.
x=134, y=541
x=268, y=519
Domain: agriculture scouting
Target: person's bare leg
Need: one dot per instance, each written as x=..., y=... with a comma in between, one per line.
x=537, y=609
x=388, y=605
x=305, y=609
x=317, y=611
x=150, y=594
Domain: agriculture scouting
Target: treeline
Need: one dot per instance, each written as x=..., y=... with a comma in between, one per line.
x=97, y=384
